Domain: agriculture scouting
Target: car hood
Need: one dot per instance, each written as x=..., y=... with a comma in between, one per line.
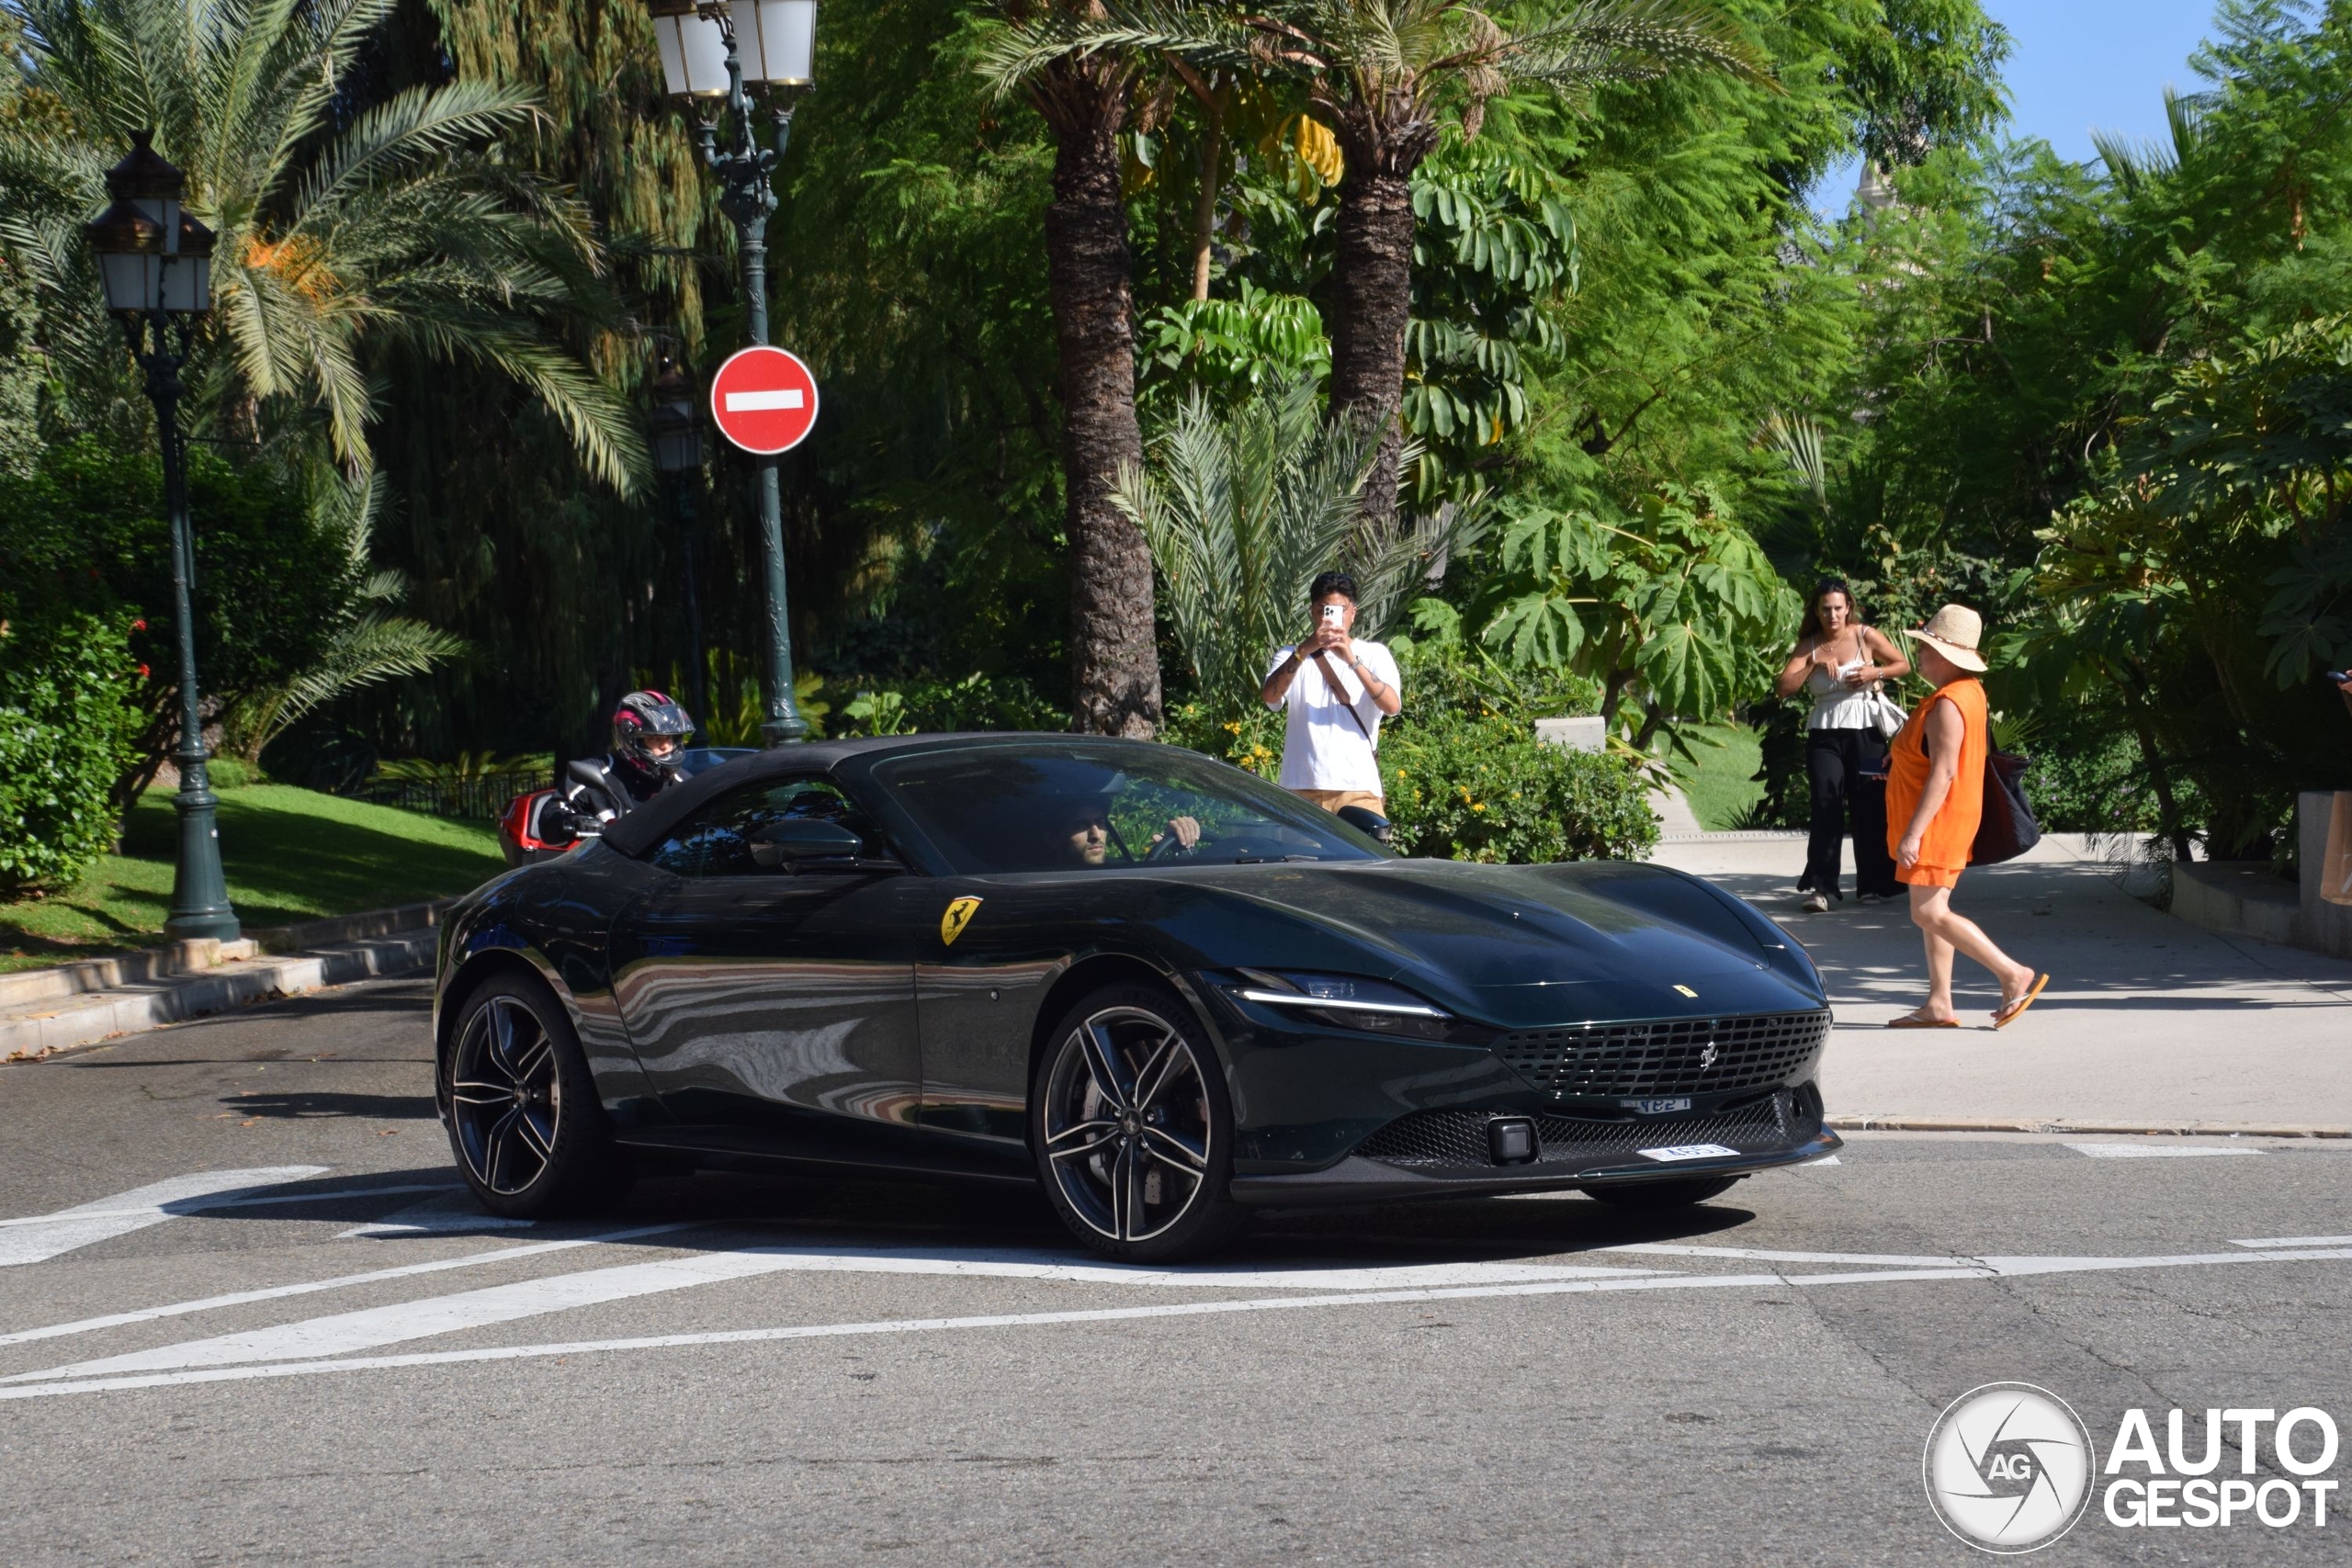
x=1537, y=944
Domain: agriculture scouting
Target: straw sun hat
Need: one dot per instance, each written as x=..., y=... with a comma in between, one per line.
x=1954, y=631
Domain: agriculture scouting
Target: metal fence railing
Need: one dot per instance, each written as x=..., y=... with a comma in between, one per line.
x=483, y=797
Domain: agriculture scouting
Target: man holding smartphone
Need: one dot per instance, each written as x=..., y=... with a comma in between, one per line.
x=1337, y=690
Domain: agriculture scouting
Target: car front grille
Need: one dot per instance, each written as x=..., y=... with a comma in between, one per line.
x=1682, y=1055
x=1454, y=1139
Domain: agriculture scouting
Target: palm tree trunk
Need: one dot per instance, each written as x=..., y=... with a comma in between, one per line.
x=1204, y=209
x=1372, y=283
x=1114, y=659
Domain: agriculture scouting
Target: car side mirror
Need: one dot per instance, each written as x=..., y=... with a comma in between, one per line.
x=793, y=840
x=1366, y=821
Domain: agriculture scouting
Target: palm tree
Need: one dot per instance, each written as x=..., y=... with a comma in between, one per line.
x=338, y=235
x=1390, y=76
x=368, y=642
x=1244, y=509
x=1083, y=98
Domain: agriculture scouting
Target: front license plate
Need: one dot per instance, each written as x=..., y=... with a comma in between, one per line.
x=1686, y=1151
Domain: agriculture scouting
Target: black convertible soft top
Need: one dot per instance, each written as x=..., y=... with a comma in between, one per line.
x=650, y=823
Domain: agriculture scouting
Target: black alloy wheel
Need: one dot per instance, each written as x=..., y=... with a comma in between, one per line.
x=524, y=1123
x=1672, y=1194
x=1132, y=1128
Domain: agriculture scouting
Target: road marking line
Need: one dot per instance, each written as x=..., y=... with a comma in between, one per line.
x=1100, y=1315
x=435, y=1216
x=2297, y=1241
x=265, y=1199
x=2159, y=1151
x=341, y=1281
x=1765, y=1255
x=831, y=1330
x=752, y=402
x=36, y=1238
x=367, y=1328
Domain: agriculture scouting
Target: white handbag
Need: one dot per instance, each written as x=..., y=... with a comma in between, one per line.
x=1886, y=715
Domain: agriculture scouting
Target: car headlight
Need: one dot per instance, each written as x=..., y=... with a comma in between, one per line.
x=1347, y=1002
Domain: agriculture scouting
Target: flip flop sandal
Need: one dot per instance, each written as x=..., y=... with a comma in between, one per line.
x=1907, y=1021
x=2010, y=1014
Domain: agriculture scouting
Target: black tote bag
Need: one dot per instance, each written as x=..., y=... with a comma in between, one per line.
x=2007, y=828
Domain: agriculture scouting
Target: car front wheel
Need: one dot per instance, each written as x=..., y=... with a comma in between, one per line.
x=1132, y=1129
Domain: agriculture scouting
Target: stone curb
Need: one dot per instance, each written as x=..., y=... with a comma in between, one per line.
x=152, y=965
x=61, y=1008
x=2127, y=1129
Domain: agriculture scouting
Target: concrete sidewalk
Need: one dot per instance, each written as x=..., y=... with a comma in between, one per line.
x=2149, y=1021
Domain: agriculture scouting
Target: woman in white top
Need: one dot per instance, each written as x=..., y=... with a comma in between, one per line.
x=1836, y=660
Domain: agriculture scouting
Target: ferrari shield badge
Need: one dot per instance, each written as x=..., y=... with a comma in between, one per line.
x=959, y=915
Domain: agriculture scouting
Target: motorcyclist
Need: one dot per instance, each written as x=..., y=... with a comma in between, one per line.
x=650, y=735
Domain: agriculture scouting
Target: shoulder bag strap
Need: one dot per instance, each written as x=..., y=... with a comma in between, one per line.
x=1323, y=662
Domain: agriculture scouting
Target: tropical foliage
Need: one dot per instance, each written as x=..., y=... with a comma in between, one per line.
x=341, y=227
x=1129, y=315
x=2110, y=401
x=1245, y=509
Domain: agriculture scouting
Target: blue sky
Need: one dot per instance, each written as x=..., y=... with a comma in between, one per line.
x=2079, y=65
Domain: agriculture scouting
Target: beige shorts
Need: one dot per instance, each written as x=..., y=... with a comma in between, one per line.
x=1332, y=799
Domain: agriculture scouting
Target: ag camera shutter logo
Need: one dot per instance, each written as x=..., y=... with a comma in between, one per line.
x=2008, y=1467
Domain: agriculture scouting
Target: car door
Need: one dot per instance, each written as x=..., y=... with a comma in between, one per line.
x=979, y=978
x=773, y=1007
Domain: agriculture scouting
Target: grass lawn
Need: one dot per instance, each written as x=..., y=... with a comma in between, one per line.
x=290, y=854
x=1722, y=784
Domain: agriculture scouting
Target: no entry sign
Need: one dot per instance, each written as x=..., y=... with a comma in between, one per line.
x=764, y=400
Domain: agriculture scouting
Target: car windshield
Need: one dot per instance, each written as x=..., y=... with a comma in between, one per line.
x=998, y=808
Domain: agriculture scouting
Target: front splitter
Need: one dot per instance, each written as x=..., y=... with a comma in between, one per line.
x=1356, y=1179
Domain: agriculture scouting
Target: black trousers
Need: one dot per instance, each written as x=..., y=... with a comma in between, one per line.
x=1835, y=759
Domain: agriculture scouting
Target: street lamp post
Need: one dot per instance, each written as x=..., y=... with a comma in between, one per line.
x=715, y=52
x=156, y=262
x=677, y=452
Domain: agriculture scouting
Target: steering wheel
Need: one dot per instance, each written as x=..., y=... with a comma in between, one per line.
x=1169, y=848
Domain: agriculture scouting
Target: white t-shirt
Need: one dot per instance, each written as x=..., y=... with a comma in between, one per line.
x=1322, y=748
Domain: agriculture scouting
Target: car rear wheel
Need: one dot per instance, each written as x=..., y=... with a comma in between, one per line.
x=1132, y=1129
x=1661, y=1194
x=524, y=1123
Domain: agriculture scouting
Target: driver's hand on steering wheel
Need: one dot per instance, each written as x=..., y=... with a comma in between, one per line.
x=1187, y=831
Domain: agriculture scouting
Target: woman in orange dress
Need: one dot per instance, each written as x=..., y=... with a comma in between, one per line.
x=1935, y=798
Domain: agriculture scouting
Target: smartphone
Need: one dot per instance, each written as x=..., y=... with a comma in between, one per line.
x=2339, y=676
x=1330, y=615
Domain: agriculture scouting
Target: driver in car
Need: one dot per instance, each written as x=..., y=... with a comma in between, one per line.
x=1084, y=837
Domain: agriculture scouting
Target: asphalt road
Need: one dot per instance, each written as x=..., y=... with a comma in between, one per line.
x=803, y=1372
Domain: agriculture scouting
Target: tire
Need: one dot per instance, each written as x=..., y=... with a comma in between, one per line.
x=1661, y=1194
x=529, y=1134
x=1149, y=1181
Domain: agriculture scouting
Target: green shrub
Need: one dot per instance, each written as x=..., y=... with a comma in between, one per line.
x=66, y=725
x=1464, y=782
x=2096, y=785
x=1483, y=789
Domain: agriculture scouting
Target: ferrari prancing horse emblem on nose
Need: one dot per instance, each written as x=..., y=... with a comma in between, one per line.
x=959, y=915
